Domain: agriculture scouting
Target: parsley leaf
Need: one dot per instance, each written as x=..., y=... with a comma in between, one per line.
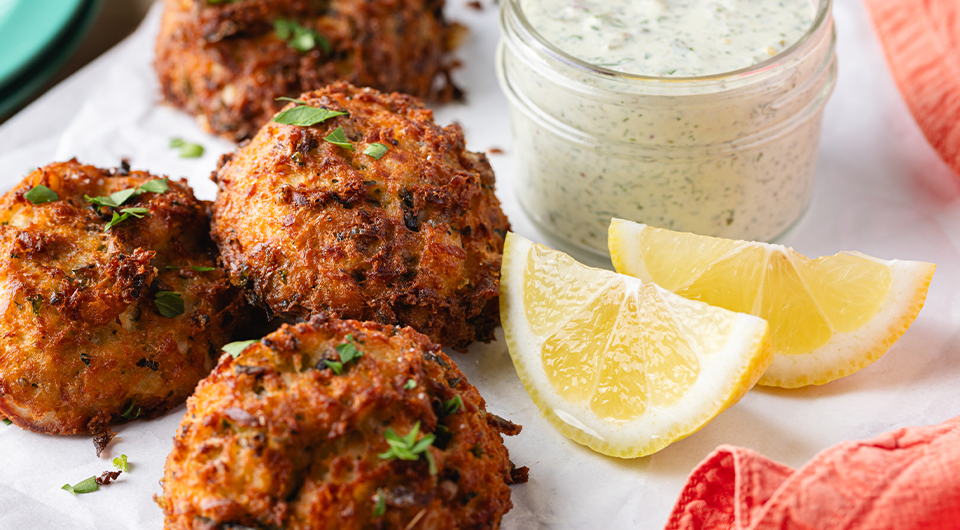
x=155, y=186
x=376, y=150
x=127, y=213
x=202, y=269
x=410, y=384
x=381, y=506
x=453, y=406
x=335, y=366
x=116, y=199
x=338, y=137
x=86, y=486
x=7, y=422
x=291, y=100
x=348, y=353
x=236, y=348
x=187, y=149
x=298, y=37
x=305, y=116
x=408, y=448
x=120, y=463
x=169, y=303
x=41, y=194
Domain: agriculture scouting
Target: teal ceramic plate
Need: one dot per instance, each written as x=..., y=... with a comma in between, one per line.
x=33, y=75
x=28, y=28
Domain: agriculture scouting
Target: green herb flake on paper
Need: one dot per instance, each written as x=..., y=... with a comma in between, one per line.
x=305, y=116
x=338, y=137
x=41, y=194
x=7, y=422
x=187, y=149
x=236, y=348
x=169, y=303
x=86, y=486
x=120, y=463
x=376, y=150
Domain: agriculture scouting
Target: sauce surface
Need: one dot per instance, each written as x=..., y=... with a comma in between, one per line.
x=676, y=38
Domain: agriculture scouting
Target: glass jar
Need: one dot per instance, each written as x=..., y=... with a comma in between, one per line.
x=730, y=155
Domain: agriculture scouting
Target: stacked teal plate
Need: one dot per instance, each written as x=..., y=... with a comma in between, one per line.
x=36, y=38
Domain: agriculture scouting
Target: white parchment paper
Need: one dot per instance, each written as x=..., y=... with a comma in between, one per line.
x=881, y=190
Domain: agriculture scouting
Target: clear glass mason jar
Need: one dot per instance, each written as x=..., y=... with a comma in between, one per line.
x=730, y=155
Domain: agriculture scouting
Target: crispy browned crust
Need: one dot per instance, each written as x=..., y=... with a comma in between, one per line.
x=225, y=64
x=275, y=439
x=81, y=339
x=414, y=238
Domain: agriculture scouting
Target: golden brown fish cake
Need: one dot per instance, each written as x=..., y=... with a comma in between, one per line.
x=276, y=439
x=413, y=238
x=82, y=340
x=226, y=64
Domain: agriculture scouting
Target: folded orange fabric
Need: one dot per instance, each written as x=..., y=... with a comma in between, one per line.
x=921, y=39
x=904, y=480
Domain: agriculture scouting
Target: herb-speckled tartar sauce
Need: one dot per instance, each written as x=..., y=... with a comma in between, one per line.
x=671, y=37
x=732, y=156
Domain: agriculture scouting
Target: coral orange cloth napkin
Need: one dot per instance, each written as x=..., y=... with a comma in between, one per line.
x=922, y=41
x=904, y=480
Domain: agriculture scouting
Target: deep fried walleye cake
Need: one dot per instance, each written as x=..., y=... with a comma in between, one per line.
x=227, y=62
x=338, y=424
x=104, y=324
x=413, y=237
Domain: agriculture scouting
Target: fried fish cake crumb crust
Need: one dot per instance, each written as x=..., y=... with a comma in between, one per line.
x=224, y=62
x=413, y=238
x=276, y=439
x=82, y=341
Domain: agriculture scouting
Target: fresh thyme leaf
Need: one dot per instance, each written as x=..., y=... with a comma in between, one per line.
x=381, y=506
x=187, y=149
x=86, y=486
x=410, y=384
x=299, y=37
x=169, y=303
x=202, y=269
x=453, y=406
x=132, y=412
x=335, y=366
x=41, y=194
x=338, y=137
x=305, y=116
x=120, y=463
x=376, y=150
x=7, y=422
x=407, y=448
x=236, y=348
x=291, y=100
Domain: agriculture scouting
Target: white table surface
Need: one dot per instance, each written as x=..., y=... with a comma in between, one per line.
x=881, y=190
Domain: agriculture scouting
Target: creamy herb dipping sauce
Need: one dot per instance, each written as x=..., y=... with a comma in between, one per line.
x=729, y=156
x=680, y=38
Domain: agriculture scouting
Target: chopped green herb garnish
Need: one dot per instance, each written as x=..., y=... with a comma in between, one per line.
x=236, y=348
x=41, y=194
x=335, y=366
x=338, y=137
x=298, y=37
x=120, y=463
x=132, y=412
x=202, y=269
x=408, y=448
x=187, y=149
x=453, y=406
x=410, y=384
x=36, y=302
x=154, y=186
x=348, y=353
x=7, y=422
x=291, y=100
x=305, y=116
x=169, y=303
x=87, y=486
x=127, y=213
x=381, y=507
x=117, y=199
x=376, y=150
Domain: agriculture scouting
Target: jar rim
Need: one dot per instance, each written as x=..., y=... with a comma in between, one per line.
x=545, y=46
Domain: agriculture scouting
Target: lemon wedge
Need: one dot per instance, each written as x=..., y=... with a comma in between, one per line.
x=829, y=317
x=620, y=366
